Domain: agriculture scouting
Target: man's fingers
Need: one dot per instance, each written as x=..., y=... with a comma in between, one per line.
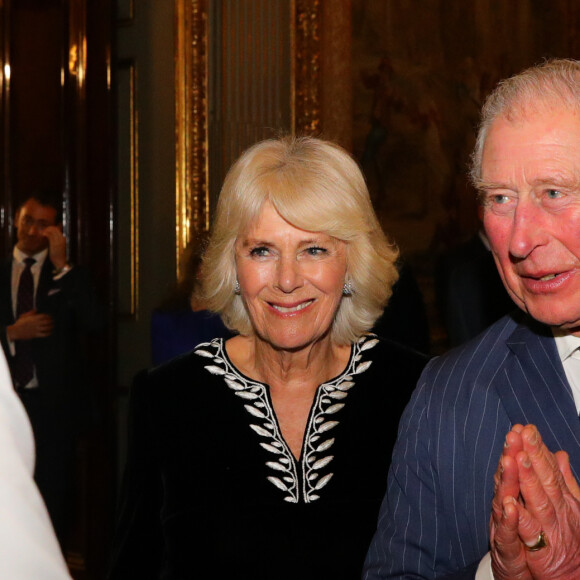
x=564, y=465
x=528, y=528
x=534, y=489
x=27, y=314
x=545, y=465
x=507, y=485
x=45, y=325
x=507, y=552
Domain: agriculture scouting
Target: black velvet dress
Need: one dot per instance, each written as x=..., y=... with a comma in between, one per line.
x=212, y=490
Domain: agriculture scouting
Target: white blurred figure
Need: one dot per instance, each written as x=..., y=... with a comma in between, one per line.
x=28, y=546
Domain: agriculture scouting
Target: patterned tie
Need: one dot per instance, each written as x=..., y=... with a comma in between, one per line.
x=23, y=367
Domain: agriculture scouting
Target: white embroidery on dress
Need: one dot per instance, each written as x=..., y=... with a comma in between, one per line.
x=329, y=400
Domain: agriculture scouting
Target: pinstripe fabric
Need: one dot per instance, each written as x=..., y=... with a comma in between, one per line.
x=435, y=515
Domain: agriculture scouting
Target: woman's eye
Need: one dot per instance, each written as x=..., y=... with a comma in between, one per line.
x=259, y=252
x=316, y=251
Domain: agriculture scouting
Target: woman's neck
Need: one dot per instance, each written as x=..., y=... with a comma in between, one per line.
x=293, y=377
x=303, y=368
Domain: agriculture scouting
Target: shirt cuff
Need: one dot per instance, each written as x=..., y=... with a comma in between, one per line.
x=58, y=274
x=484, y=571
x=11, y=346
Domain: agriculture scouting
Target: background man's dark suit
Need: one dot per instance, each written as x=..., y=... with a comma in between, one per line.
x=60, y=406
x=469, y=291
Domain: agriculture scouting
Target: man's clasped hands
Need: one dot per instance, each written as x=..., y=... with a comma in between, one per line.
x=535, y=521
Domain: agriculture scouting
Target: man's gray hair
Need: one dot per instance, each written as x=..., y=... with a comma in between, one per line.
x=540, y=87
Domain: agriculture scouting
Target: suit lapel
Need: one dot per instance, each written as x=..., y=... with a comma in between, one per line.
x=534, y=389
x=7, y=315
x=44, y=284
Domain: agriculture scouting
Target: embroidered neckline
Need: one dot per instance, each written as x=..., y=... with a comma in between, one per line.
x=304, y=478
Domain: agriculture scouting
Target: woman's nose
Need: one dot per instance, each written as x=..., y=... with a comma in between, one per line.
x=289, y=277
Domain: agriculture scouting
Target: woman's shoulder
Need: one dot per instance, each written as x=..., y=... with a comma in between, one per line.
x=387, y=368
x=387, y=352
x=388, y=373
x=183, y=371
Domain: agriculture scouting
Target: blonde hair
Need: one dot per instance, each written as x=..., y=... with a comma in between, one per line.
x=316, y=186
x=554, y=82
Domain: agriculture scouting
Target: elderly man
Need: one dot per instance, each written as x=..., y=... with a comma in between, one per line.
x=484, y=475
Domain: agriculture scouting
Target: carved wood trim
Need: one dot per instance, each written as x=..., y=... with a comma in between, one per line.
x=191, y=84
x=192, y=198
x=306, y=114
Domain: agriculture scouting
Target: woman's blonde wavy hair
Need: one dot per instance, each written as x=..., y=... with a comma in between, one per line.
x=316, y=186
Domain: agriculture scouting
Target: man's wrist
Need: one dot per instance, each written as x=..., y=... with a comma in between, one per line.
x=60, y=271
x=10, y=333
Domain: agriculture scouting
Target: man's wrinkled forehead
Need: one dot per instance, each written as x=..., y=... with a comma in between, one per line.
x=529, y=107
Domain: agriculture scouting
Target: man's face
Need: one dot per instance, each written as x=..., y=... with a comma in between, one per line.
x=31, y=221
x=531, y=184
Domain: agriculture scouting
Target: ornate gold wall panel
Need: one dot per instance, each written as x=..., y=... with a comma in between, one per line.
x=307, y=67
x=192, y=201
x=245, y=70
x=128, y=185
x=336, y=90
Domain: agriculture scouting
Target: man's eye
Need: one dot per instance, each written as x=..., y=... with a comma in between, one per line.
x=553, y=194
x=499, y=199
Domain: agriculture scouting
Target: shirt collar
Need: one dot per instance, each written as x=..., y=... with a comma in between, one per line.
x=20, y=256
x=565, y=343
x=484, y=239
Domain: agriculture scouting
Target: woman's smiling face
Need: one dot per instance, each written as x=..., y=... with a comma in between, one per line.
x=291, y=280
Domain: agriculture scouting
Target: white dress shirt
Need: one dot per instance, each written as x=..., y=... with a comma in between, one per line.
x=568, y=348
x=28, y=547
x=18, y=266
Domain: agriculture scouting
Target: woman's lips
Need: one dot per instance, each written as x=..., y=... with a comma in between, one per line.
x=290, y=308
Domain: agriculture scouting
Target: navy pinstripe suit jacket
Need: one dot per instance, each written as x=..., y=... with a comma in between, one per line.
x=434, y=519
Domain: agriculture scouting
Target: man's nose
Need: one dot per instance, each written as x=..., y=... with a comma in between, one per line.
x=527, y=231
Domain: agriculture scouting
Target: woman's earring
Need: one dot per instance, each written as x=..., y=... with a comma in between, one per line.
x=347, y=289
x=237, y=289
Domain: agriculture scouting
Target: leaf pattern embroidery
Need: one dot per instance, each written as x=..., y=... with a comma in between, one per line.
x=330, y=399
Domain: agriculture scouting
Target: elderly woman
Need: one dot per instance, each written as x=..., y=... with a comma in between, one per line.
x=265, y=456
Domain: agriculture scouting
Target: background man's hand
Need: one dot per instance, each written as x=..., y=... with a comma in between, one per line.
x=56, y=246
x=30, y=325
